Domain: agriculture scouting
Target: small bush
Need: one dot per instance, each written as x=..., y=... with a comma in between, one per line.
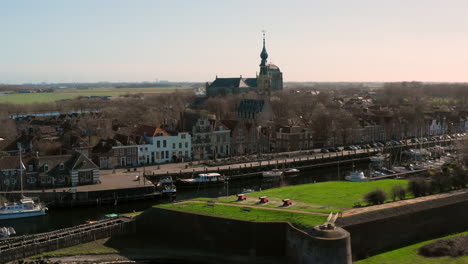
x=453, y=247
x=418, y=187
x=377, y=196
x=398, y=191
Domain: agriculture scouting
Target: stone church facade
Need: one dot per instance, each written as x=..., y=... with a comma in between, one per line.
x=270, y=79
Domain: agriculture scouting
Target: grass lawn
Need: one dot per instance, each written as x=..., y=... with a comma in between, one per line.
x=409, y=255
x=318, y=197
x=61, y=94
x=90, y=248
x=300, y=220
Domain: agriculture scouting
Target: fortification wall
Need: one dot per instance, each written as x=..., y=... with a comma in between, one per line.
x=392, y=228
x=254, y=242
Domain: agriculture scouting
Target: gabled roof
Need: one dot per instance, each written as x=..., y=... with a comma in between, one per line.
x=81, y=162
x=150, y=131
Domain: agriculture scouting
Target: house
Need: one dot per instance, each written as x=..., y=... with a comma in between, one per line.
x=111, y=153
x=67, y=170
x=163, y=146
x=244, y=136
x=290, y=138
x=210, y=137
x=10, y=173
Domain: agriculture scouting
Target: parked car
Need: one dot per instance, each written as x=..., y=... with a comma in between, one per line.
x=348, y=148
x=324, y=150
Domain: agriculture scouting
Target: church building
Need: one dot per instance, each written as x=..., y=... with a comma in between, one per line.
x=270, y=79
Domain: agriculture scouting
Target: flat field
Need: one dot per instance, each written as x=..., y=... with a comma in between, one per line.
x=322, y=197
x=69, y=93
x=409, y=255
x=301, y=220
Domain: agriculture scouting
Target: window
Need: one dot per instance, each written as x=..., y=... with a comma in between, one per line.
x=146, y=148
x=162, y=154
x=116, y=152
x=180, y=144
x=30, y=167
x=122, y=152
x=186, y=144
x=46, y=167
x=129, y=151
x=167, y=154
x=164, y=143
x=129, y=160
x=173, y=145
x=158, y=144
x=182, y=136
x=186, y=153
x=141, y=149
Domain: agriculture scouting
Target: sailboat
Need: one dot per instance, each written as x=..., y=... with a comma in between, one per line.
x=26, y=207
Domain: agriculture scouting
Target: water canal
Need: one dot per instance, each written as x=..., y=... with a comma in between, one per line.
x=67, y=217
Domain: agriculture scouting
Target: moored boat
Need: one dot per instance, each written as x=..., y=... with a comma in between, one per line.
x=203, y=178
x=291, y=172
x=166, y=185
x=273, y=173
x=378, y=158
x=7, y=232
x=357, y=176
x=24, y=208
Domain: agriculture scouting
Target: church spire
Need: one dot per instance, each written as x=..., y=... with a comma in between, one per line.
x=264, y=57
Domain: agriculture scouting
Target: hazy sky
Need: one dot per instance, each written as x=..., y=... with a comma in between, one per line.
x=323, y=40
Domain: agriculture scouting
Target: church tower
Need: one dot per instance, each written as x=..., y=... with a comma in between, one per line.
x=264, y=78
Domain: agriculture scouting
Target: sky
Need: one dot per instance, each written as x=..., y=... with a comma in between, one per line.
x=197, y=40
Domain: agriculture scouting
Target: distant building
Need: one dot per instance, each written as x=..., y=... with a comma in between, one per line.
x=270, y=79
x=258, y=110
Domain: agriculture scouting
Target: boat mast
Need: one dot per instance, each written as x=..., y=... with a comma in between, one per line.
x=21, y=171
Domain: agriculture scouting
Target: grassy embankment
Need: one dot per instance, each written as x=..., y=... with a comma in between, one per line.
x=301, y=220
x=409, y=255
x=69, y=93
x=322, y=197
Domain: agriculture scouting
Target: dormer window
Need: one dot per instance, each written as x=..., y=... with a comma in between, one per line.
x=46, y=167
x=61, y=166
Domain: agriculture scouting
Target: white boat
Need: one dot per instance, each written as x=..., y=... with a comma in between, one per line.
x=378, y=158
x=291, y=172
x=203, y=178
x=272, y=173
x=25, y=207
x=357, y=176
x=7, y=232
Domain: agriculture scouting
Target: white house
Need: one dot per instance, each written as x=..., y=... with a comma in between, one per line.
x=162, y=146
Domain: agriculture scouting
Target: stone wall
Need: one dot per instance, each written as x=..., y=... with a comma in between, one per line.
x=245, y=241
x=388, y=229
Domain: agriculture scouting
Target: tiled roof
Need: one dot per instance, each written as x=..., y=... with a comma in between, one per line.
x=234, y=83
x=251, y=106
x=150, y=131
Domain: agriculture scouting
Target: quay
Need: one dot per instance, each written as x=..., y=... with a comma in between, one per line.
x=114, y=188
x=296, y=159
